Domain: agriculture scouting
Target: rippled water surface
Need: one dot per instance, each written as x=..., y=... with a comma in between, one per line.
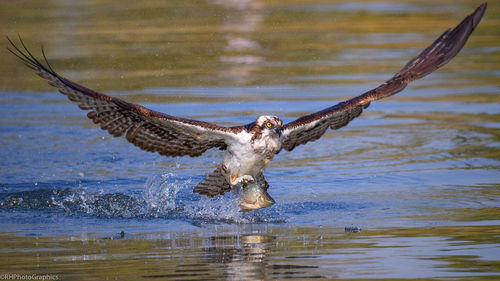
x=411, y=189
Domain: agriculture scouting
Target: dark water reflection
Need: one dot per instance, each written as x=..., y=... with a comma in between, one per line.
x=418, y=173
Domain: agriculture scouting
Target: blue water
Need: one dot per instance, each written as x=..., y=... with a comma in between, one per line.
x=384, y=170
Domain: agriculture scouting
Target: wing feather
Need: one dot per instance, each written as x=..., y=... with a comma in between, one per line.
x=150, y=130
x=311, y=127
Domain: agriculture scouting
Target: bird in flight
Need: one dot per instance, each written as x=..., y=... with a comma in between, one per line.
x=248, y=148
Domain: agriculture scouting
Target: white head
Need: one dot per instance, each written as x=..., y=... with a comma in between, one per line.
x=268, y=124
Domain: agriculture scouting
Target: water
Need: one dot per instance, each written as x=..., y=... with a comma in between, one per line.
x=408, y=190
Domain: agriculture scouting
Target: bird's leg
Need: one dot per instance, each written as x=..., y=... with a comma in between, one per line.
x=242, y=180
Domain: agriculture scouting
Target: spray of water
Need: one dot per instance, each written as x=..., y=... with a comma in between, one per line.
x=165, y=196
x=160, y=194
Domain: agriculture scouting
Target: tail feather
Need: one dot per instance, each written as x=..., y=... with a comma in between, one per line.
x=214, y=184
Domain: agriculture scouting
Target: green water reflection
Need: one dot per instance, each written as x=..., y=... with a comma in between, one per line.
x=261, y=253
x=137, y=45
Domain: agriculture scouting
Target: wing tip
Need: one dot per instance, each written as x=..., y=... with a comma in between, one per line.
x=477, y=15
x=22, y=52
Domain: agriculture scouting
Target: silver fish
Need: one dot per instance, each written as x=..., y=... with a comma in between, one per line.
x=254, y=196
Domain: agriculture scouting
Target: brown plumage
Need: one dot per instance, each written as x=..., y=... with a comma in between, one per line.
x=311, y=127
x=248, y=147
x=148, y=129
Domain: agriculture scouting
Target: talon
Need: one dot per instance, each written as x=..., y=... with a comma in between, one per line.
x=243, y=179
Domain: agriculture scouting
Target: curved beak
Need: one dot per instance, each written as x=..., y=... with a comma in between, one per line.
x=278, y=130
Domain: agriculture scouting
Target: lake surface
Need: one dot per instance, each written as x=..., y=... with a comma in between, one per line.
x=411, y=189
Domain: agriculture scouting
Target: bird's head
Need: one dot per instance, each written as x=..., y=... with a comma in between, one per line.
x=269, y=124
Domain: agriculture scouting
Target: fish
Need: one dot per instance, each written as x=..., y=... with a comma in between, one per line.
x=254, y=196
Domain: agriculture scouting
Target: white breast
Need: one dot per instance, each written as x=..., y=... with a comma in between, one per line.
x=246, y=158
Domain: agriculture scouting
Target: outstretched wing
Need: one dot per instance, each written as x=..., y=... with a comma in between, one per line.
x=148, y=129
x=313, y=126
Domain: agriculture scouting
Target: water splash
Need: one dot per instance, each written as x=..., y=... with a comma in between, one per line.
x=222, y=208
x=165, y=196
x=160, y=194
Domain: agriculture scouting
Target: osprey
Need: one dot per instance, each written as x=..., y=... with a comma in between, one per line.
x=248, y=148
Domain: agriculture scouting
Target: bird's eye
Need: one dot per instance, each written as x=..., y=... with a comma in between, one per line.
x=269, y=125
